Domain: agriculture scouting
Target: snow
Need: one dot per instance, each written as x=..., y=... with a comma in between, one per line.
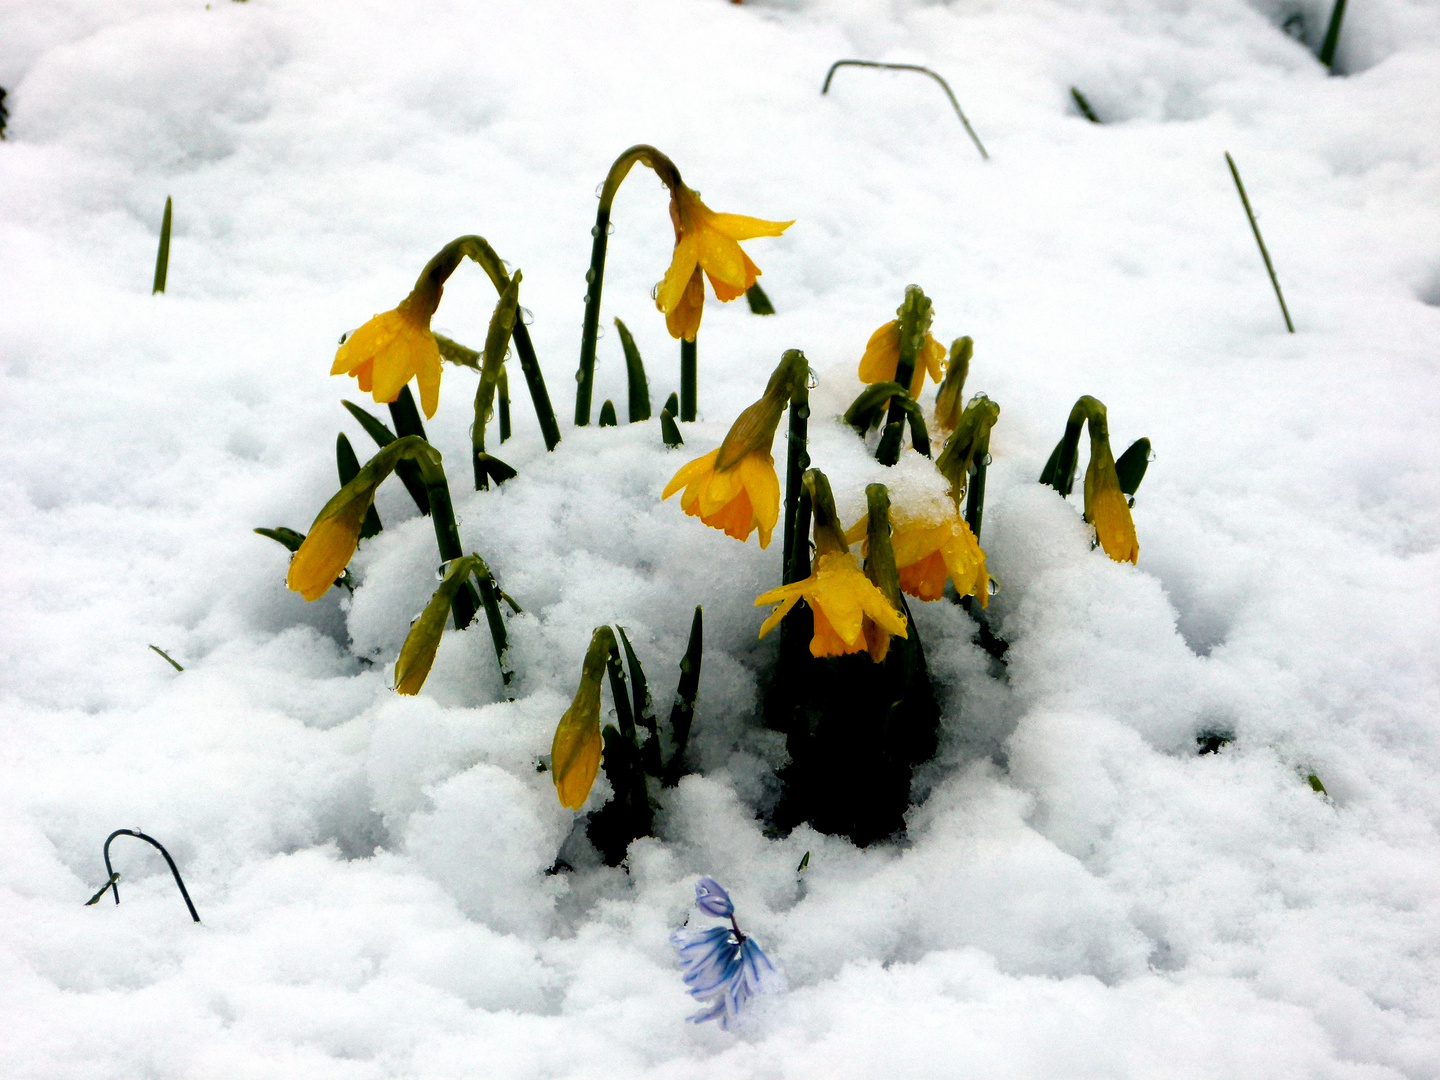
x=1081, y=892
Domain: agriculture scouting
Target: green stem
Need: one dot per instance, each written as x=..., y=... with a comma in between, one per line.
x=442, y=510
x=687, y=379
x=595, y=276
x=797, y=460
x=975, y=500
x=439, y=269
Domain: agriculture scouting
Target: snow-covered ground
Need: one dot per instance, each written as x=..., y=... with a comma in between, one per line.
x=1082, y=893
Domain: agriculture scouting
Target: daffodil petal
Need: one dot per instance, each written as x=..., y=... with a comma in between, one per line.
x=740, y=227
x=677, y=277
x=689, y=472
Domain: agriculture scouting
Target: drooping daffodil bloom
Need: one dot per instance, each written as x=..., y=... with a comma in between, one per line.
x=723, y=967
x=932, y=546
x=331, y=542
x=1106, y=506
x=882, y=358
x=734, y=488
x=395, y=347
x=841, y=598
x=708, y=243
x=575, y=750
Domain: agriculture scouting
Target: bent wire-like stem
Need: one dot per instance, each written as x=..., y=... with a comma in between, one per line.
x=911, y=67
x=595, y=276
x=1264, y=254
x=1332, y=36
x=439, y=269
x=114, y=877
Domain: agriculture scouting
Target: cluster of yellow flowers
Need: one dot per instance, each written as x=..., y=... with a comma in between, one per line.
x=735, y=489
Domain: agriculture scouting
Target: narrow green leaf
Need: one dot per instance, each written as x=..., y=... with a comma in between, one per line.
x=619, y=690
x=636, y=383
x=162, y=256
x=168, y=659
x=758, y=301
x=348, y=466
x=1130, y=466
x=281, y=535
x=672, y=403
x=1084, y=106
x=607, y=414
x=682, y=713
x=669, y=430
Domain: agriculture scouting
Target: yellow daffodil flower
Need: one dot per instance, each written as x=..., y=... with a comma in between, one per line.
x=576, y=748
x=737, y=500
x=1106, y=506
x=706, y=242
x=734, y=488
x=328, y=547
x=393, y=348
x=882, y=357
x=929, y=549
x=841, y=597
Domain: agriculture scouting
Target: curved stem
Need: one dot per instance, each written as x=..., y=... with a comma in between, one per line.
x=114, y=877
x=438, y=270
x=911, y=67
x=595, y=276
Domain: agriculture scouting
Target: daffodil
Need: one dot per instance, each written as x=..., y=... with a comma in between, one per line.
x=931, y=548
x=949, y=404
x=329, y=545
x=1105, y=504
x=882, y=358
x=575, y=750
x=333, y=538
x=708, y=243
x=734, y=487
x=395, y=347
x=840, y=597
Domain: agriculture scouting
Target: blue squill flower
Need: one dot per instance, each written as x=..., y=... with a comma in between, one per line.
x=723, y=967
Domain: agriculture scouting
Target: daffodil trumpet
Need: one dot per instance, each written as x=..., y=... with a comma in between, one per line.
x=875, y=400
x=950, y=397
x=417, y=655
x=839, y=595
x=497, y=344
x=707, y=244
x=734, y=487
x=398, y=345
x=903, y=352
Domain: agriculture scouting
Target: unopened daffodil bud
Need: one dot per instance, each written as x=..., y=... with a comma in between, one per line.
x=841, y=598
x=734, y=487
x=575, y=751
x=1106, y=506
x=880, y=566
x=904, y=338
x=708, y=243
x=971, y=439
x=333, y=538
x=950, y=397
x=417, y=655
